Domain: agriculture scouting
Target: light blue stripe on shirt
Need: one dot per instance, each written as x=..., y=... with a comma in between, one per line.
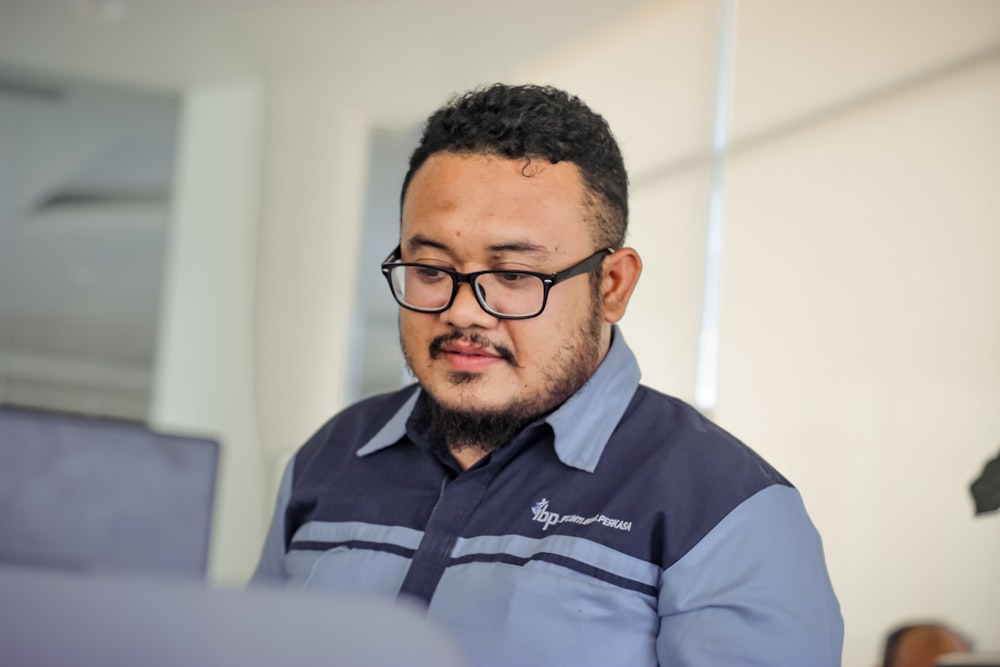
x=577, y=548
x=344, y=531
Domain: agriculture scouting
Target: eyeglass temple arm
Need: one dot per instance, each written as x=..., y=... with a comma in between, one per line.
x=393, y=256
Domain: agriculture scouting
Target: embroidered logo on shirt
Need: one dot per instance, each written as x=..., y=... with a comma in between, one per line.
x=540, y=512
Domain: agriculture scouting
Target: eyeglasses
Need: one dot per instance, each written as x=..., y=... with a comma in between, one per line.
x=507, y=294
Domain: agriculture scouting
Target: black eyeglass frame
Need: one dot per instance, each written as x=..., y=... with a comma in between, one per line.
x=549, y=280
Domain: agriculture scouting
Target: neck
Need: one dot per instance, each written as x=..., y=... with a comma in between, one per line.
x=468, y=456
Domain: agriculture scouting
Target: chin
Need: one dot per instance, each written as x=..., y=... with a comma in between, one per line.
x=465, y=396
x=470, y=402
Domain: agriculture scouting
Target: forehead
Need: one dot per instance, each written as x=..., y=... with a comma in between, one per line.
x=469, y=195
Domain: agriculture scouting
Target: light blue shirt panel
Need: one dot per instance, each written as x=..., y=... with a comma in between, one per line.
x=559, y=617
x=754, y=591
x=346, y=570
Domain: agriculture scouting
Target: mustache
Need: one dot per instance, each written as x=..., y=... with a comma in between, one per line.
x=471, y=338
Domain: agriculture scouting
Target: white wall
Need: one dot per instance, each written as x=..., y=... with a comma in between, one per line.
x=204, y=380
x=259, y=282
x=313, y=183
x=861, y=270
x=863, y=350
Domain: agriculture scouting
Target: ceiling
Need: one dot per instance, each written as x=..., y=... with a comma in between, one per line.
x=90, y=96
x=396, y=58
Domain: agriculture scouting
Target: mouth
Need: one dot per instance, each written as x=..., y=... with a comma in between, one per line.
x=469, y=351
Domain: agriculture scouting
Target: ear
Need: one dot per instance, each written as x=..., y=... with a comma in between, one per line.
x=620, y=274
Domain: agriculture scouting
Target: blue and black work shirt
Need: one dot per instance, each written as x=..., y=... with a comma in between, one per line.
x=624, y=528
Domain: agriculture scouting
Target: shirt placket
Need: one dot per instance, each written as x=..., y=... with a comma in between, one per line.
x=455, y=506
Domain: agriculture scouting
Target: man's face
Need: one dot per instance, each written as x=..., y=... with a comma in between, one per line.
x=472, y=213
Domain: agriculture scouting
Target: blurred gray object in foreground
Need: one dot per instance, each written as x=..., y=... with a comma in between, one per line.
x=64, y=618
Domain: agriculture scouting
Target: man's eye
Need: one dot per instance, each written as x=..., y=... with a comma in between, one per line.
x=429, y=274
x=512, y=278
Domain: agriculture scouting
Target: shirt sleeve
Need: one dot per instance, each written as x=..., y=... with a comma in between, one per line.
x=271, y=566
x=754, y=591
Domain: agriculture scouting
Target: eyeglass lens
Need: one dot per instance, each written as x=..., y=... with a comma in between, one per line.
x=501, y=292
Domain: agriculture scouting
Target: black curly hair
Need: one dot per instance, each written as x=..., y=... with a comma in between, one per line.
x=535, y=122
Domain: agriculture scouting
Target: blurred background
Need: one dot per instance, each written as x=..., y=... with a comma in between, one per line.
x=195, y=196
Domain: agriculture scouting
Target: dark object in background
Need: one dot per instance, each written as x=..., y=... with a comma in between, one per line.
x=919, y=644
x=94, y=495
x=986, y=489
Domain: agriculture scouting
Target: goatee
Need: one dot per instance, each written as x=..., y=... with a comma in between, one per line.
x=457, y=430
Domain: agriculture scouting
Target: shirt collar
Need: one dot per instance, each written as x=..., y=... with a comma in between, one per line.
x=393, y=430
x=582, y=425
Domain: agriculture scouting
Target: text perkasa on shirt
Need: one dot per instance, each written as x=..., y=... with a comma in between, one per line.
x=623, y=529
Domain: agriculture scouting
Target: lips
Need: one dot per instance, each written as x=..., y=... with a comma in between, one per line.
x=469, y=350
x=469, y=358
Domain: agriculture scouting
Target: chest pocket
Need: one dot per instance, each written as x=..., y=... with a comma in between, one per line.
x=559, y=616
x=353, y=570
x=350, y=557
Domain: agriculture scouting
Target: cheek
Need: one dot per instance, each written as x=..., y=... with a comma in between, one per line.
x=414, y=332
x=535, y=341
x=564, y=317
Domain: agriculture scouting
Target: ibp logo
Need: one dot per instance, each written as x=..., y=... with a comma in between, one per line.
x=541, y=513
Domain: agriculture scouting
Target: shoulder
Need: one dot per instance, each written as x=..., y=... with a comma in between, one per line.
x=691, y=471
x=674, y=432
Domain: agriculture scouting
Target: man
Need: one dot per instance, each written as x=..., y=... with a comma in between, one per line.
x=545, y=507
x=921, y=644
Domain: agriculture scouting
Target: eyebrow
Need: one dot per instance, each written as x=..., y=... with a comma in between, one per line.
x=518, y=247
x=419, y=241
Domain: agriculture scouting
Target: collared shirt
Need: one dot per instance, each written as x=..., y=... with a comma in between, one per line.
x=622, y=529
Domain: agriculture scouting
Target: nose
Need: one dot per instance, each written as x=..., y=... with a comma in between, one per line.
x=465, y=310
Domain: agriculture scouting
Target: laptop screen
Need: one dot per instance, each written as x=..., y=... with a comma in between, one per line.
x=99, y=495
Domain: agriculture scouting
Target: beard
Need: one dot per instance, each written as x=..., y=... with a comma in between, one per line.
x=486, y=429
